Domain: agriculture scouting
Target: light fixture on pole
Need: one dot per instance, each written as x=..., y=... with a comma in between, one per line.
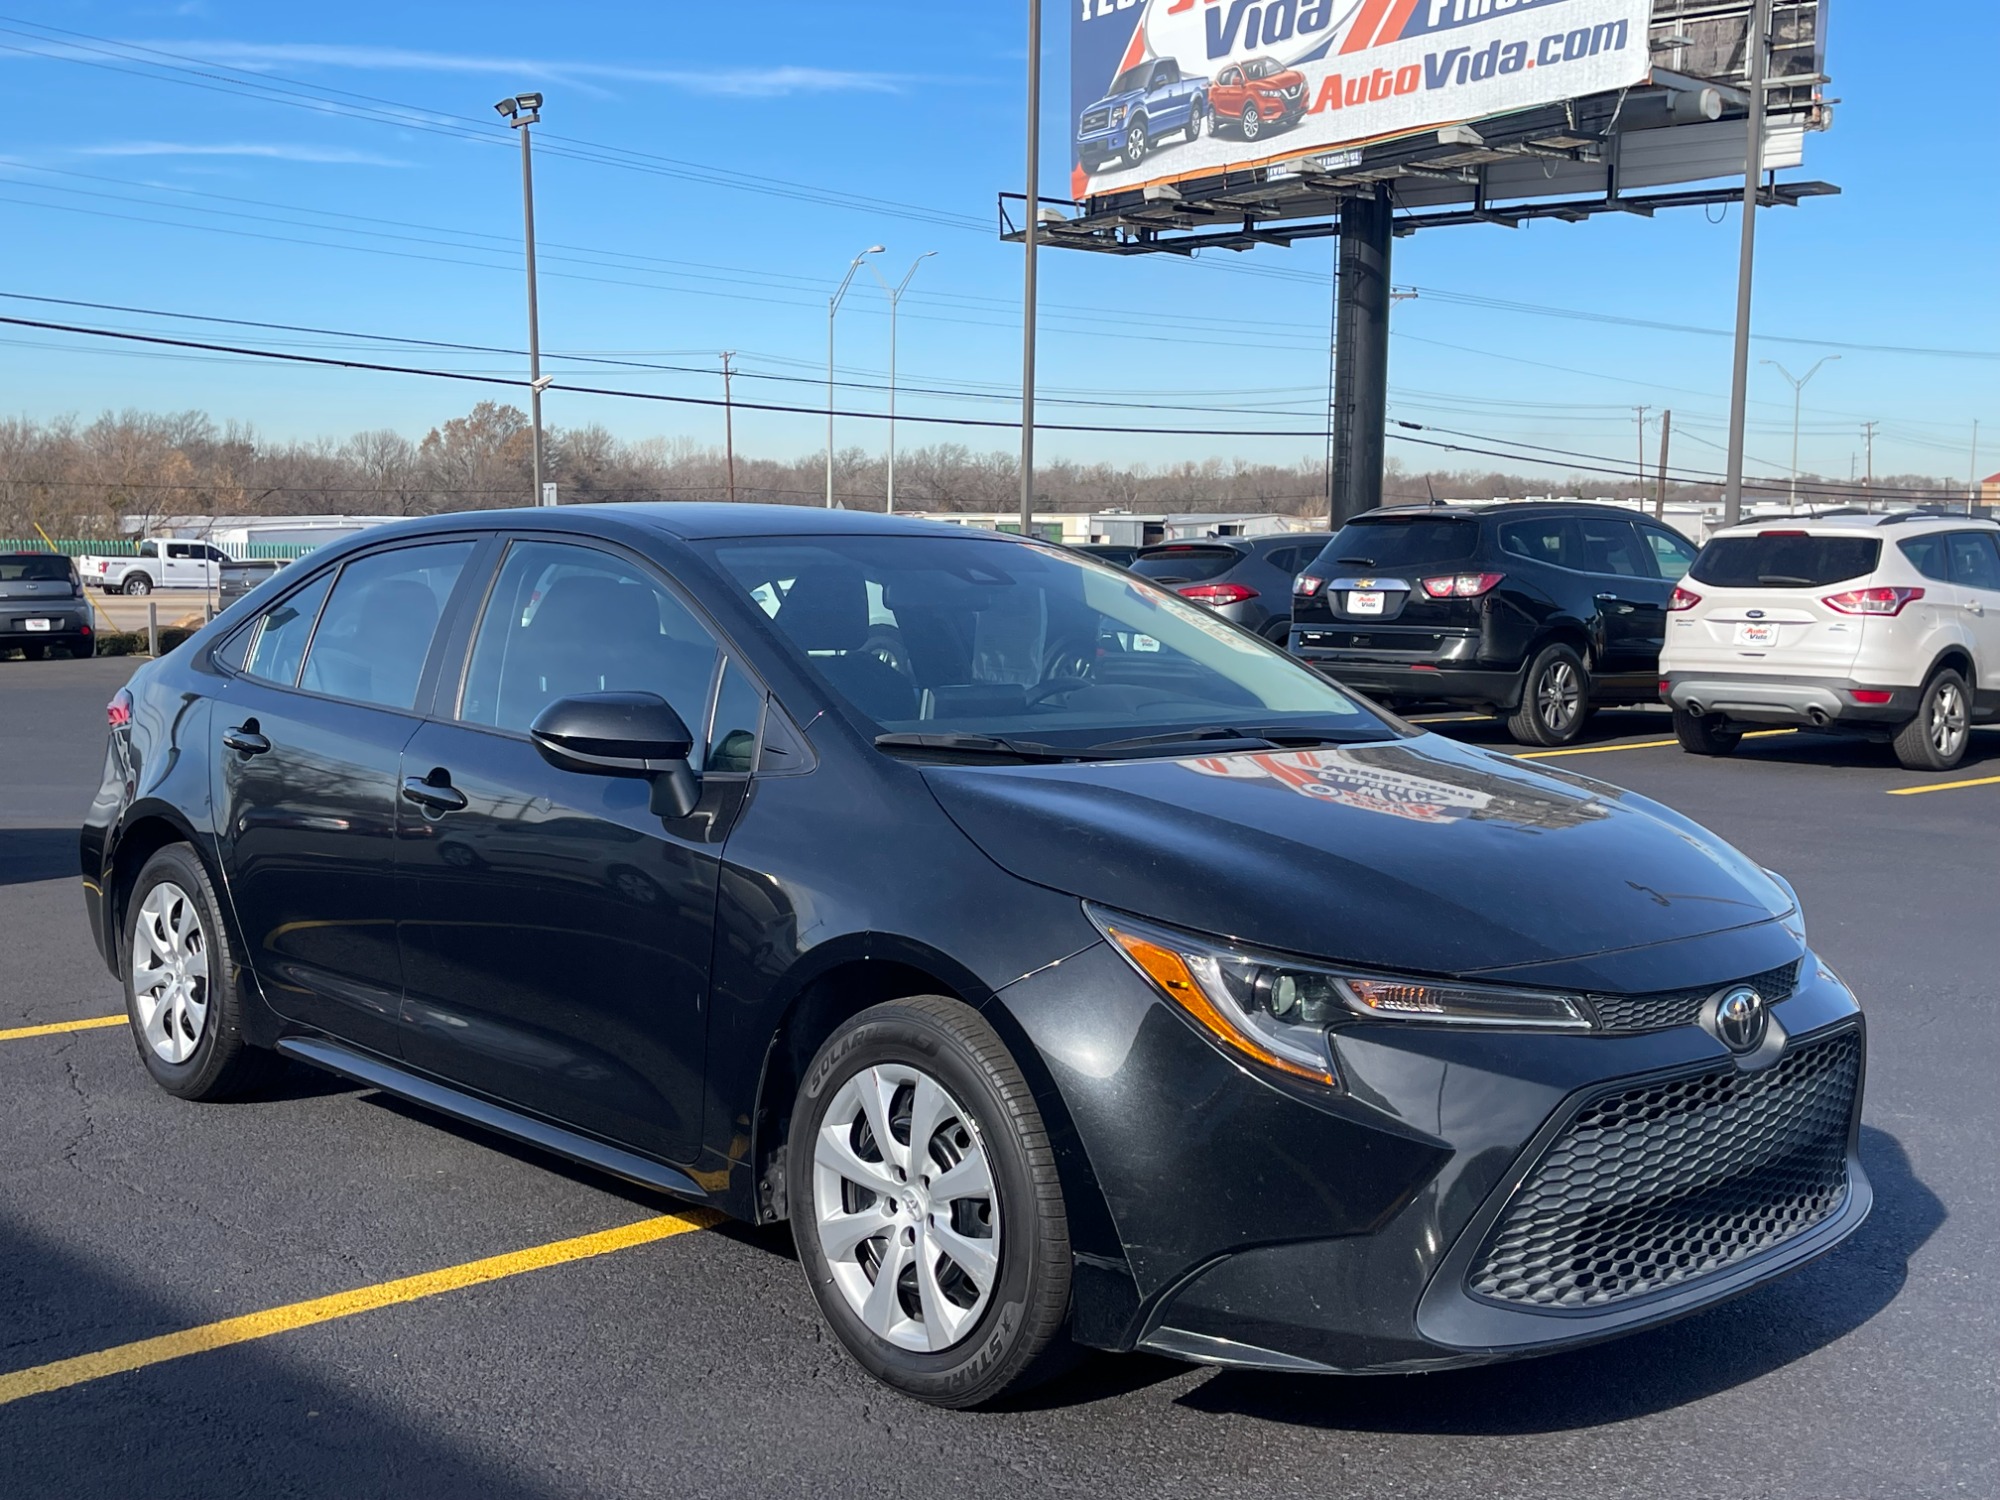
x=832, y=307
x=521, y=111
x=1798, y=394
x=895, y=296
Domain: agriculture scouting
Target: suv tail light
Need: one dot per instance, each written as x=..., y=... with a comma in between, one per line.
x=119, y=709
x=1872, y=601
x=1305, y=586
x=1462, y=585
x=1216, y=595
x=1681, y=600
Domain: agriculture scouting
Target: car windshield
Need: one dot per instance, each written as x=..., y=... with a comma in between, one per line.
x=1131, y=80
x=978, y=644
x=1399, y=543
x=1784, y=560
x=43, y=568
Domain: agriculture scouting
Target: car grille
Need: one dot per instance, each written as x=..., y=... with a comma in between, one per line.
x=1653, y=1186
x=1671, y=1008
x=1097, y=119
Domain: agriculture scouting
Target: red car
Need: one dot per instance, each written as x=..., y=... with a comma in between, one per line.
x=1248, y=97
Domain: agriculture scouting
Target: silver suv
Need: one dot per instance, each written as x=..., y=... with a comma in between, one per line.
x=1884, y=626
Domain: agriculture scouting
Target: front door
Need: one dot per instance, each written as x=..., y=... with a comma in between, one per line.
x=556, y=934
x=311, y=730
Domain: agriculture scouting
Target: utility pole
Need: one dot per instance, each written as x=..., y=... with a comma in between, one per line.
x=1666, y=438
x=1756, y=46
x=1973, y=493
x=1642, y=410
x=521, y=111
x=1028, y=288
x=1868, y=484
x=729, y=423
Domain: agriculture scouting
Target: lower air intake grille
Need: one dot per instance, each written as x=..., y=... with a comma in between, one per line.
x=1662, y=1012
x=1659, y=1184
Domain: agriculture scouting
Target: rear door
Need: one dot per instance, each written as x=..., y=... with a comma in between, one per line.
x=1630, y=595
x=306, y=775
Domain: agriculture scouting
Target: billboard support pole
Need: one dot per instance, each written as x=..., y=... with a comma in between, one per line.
x=1757, y=43
x=1361, y=381
x=1028, y=289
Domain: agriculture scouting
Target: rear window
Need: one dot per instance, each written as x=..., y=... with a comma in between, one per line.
x=1186, y=564
x=1401, y=543
x=45, y=568
x=1785, y=560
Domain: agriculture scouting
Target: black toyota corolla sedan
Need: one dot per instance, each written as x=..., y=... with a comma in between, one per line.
x=1084, y=971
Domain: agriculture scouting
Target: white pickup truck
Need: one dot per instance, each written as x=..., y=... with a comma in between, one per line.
x=161, y=564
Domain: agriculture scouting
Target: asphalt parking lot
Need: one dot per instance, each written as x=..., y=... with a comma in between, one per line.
x=523, y=1329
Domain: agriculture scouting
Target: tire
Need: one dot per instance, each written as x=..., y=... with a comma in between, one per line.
x=1703, y=734
x=1252, y=123
x=1555, y=699
x=1136, y=143
x=1937, y=738
x=189, y=1032
x=964, y=1344
x=136, y=583
x=1197, y=125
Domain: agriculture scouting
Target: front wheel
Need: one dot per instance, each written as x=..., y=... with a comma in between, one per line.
x=1253, y=123
x=1555, y=699
x=1703, y=734
x=1936, y=739
x=1135, y=143
x=137, y=583
x=926, y=1206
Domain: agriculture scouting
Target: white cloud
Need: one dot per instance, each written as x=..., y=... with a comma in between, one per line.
x=272, y=151
x=735, y=81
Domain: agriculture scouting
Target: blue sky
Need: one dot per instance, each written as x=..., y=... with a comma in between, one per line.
x=185, y=184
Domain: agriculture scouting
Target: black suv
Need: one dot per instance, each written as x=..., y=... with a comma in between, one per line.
x=1539, y=612
x=1246, y=580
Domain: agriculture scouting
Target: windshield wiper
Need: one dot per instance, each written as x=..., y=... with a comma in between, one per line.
x=1232, y=738
x=973, y=744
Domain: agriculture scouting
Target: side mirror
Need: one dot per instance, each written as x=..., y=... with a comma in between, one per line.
x=622, y=734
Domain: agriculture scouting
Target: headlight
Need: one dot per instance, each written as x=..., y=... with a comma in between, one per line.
x=1118, y=115
x=1278, y=1010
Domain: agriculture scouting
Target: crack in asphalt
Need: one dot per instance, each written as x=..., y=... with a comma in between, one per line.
x=75, y=1145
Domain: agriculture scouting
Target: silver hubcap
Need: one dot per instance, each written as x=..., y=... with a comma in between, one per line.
x=1252, y=123
x=170, y=973
x=907, y=1215
x=1558, y=696
x=1949, y=722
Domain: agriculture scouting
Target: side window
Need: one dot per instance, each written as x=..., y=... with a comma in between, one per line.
x=1927, y=554
x=180, y=551
x=1673, y=554
x=1229, y=76
x=563, y=620
x=1608, y=545
x=376, y=628
x=280, y=642
x=216, y=554
x=739, y=722
x=1166, y=74
x=1539, y=540
x=1975, y=560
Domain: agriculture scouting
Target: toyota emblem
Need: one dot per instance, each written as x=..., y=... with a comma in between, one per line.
x=1741, y=1019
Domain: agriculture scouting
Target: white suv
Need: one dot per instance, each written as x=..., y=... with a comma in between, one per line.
x=1886, y=626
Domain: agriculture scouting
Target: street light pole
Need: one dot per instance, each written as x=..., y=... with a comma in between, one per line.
x=1798, y=396
x=1757, y=47
x=895, y=296
x=521, y=111
x=832, y=307
x=1029, y=295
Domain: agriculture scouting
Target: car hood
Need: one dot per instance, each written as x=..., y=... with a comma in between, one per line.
x=1110, y=100
x=1418, y=854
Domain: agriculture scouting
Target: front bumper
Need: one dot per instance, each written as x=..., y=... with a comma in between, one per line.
x=1285, y=1227
x=1813, y=702
x=1099, y=144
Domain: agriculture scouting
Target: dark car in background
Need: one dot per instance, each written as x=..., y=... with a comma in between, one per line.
x=1246, y=580
x=240, y=575
x=1101, y=975
x=1146, y=101
x=42, y=605
x=1115, y=553
x=1539, y=612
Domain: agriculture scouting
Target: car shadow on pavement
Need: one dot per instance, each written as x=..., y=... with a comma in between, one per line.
x=1631, y=1377
x=29, y=855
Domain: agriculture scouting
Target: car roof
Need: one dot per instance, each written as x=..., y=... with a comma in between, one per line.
x=1904, y=523
x=1509, y=509
x=683, y=520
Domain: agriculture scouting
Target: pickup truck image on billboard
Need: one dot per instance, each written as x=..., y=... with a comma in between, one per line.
x=1145, y=101
x=1264, y=80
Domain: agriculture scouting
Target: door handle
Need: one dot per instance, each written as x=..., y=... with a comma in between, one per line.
x=433, y=796
x=245, y=740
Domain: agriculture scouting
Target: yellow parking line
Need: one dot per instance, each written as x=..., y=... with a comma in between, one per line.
x=22, y=1033
x=63, y=1373
x=1944, y=786
x=1755, y=734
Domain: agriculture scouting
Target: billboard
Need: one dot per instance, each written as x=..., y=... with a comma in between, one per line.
x=1163, y=90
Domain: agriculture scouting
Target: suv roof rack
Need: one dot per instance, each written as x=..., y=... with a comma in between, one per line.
x=1904, y=517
